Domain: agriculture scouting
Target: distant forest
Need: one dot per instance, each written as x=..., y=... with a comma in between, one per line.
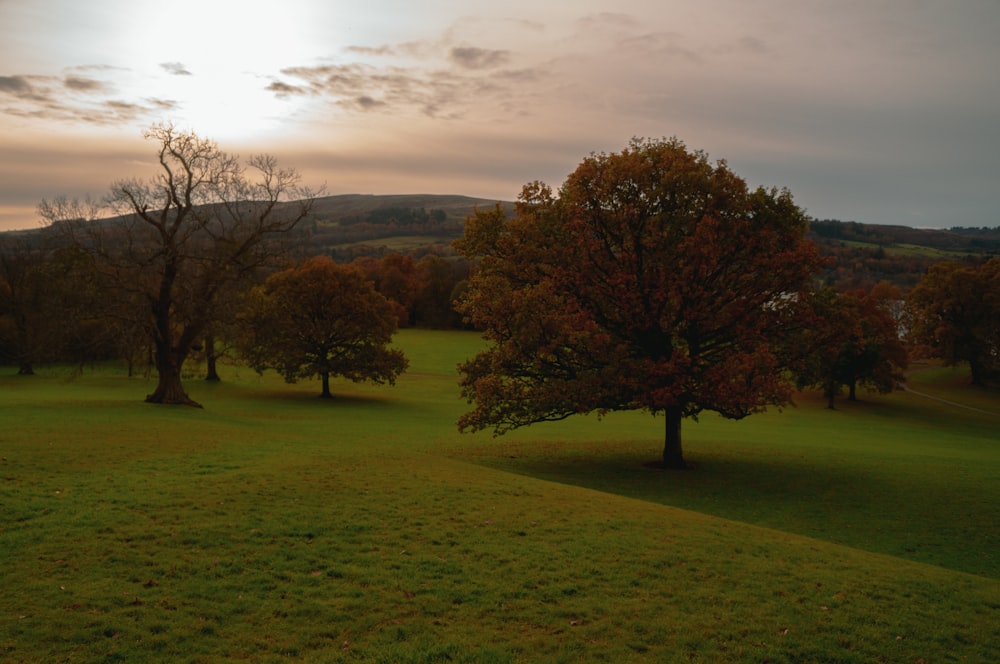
x=864, y=254
x=352, y=226
x=861, y=255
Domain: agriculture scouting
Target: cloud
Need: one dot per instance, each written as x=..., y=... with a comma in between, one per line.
x=175, y=68
x=383, y=50
x=15, y=85
x=284, y=90
x=81, y=84
x=662, y=44
x=74, y=98
x=364, y=103
x=432, y=92
x=25, y=88
x=471, y=57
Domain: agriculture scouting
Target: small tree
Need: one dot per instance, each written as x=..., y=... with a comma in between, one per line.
x=202, y=223
x=955, y=309
x=321, y=319
x=655, y=281
x=854, y=340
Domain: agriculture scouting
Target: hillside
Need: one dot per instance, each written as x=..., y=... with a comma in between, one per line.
x=352, y=225
x=864, y=254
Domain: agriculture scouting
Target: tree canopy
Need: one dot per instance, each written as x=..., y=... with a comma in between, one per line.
x=955, y=310
x=182, y=236
x=853, y=340
x=321, y=319
x=654, y=280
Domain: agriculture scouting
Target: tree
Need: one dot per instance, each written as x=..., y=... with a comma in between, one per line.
x=440, y=279
x=47, y=299
x=655, y=281
x=321, y=318
x=203, y=222
x=394, y=276
x=955, y=309
x=853, y=340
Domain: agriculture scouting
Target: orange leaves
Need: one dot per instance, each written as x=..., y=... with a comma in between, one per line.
x=652, y=281
x=321, y=318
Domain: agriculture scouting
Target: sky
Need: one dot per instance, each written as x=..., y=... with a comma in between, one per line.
x=879, y=111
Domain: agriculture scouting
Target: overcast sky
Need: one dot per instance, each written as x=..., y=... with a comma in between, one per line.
x=881, y=111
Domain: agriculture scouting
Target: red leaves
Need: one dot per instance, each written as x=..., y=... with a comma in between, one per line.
x=654, y=280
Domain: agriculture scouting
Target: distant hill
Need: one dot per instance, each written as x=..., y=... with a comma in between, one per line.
x=865, y=254
x=956, y=240
x=352, y=225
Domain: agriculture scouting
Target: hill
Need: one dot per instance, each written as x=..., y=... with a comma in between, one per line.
x=352, y=225
x=864, y=254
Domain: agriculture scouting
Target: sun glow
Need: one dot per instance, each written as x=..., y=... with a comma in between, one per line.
x=209, y=64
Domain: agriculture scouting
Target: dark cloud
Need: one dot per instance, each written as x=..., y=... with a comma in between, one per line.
x=162, y=104
x=81, y=84
x=26, y=88
x=471, y=57
x=423, y=86
x=365, y=103
x=284, y=90
x=364, y=87
x=15, y=85
x=175, y=68
x=74, y=98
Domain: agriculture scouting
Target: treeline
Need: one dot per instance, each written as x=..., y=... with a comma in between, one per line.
x=54, y=308
x=859, y=256
x=956, y=239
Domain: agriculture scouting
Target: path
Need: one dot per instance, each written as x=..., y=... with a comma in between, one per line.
x=906, y=388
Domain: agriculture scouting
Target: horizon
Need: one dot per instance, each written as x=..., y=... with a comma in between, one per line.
x=882, y=114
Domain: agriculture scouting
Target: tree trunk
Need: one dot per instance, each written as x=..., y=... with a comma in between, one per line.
x=212, y=373
x=169, y=389
x=326, y=386
x=978, y=371
x=852, y=394
x=25, y=369
x=673, y=454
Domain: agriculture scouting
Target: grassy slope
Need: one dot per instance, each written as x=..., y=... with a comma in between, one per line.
x=274, y=526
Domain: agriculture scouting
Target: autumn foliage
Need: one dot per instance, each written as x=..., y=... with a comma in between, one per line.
x=955, y=311
x=854, y=339
x=321, y=319
x=655, y=281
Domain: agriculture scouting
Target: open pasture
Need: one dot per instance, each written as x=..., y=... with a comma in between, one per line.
x=274, y=526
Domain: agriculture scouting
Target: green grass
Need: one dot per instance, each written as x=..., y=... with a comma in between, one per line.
x=904, y=249
x=274, y=526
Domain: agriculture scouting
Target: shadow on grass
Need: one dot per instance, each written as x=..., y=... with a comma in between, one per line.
x=723, y=479
x=858, y=502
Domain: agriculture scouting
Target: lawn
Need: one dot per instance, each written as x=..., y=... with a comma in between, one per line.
x=274, y=526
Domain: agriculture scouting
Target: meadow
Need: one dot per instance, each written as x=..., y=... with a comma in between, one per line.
x=273, y=526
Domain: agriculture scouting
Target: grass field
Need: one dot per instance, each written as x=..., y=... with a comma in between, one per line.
x=274, y=526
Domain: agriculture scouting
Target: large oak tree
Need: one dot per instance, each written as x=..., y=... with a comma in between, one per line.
x=184, y=235
x=655, y=280
x=321, y=319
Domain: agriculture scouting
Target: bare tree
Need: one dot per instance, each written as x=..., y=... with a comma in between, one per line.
x=203, y=222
